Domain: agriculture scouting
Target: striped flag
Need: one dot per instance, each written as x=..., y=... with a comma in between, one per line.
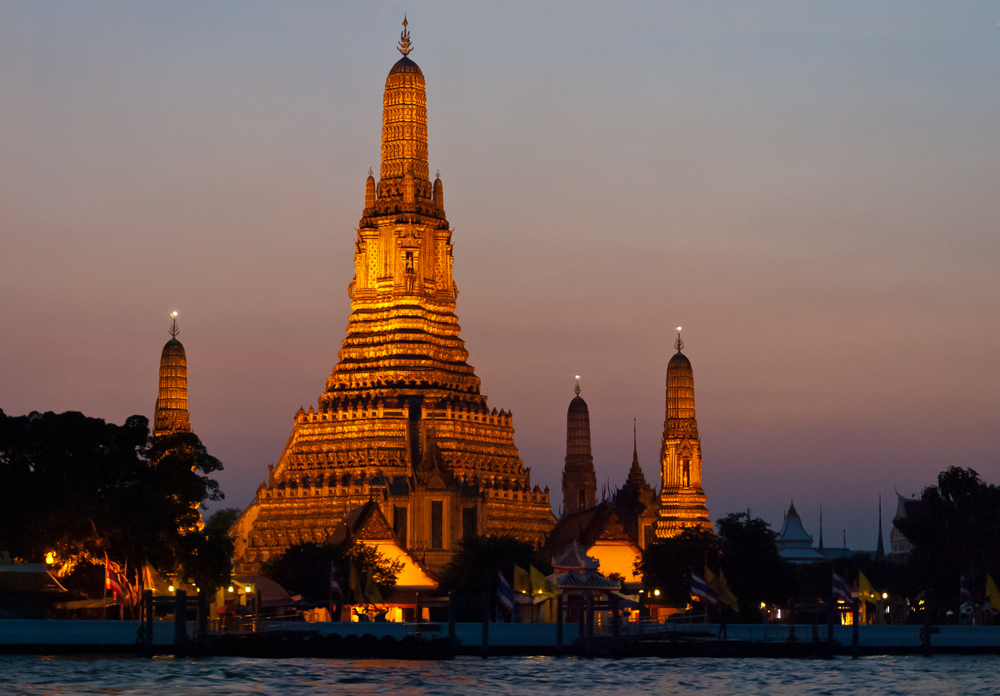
x=703, y=591
x=840, y=590
x=505, y=593
x=113, y=582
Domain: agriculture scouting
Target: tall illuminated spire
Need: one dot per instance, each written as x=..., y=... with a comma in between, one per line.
x=171, y=415
x=579, y=480
x=682, y=498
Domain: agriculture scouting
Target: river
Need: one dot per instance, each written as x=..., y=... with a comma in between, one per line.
x=63, y=675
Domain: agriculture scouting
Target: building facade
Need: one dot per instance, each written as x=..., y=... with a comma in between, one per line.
x=402, y=420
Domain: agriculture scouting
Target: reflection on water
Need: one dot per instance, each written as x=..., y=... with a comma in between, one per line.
x=508, y=675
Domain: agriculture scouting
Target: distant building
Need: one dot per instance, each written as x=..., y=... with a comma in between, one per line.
x=795, y=545
x=579, y=482
x=171, y=415
x=682, y=498
x=899, y=546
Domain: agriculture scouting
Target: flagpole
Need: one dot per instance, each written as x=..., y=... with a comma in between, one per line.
x=104, y=603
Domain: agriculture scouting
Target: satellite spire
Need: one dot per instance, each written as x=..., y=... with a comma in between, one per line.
x=404, y=40
x=679, y=343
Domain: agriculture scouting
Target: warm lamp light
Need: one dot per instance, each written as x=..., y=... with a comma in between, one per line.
x=230, y=588
x=173, y=314
x=656, y=592
x=170, y=588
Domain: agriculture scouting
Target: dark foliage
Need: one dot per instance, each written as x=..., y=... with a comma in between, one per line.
x=754, y=570
x=666, y=565
x=955, y=530
x=304, y=569
x=473, y=568
x=85, y=488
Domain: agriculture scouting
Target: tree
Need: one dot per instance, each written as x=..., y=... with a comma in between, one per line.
x=754, y=570
x=84, y=488
x=955, y=530
x=473, y=568
x=304, y=569
x=666, y=564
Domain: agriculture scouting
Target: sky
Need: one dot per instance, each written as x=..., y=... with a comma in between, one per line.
x=809, y=188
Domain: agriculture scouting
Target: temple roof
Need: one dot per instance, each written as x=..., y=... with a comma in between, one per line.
x=792, y=529
x=574, y=558
x=405, y=65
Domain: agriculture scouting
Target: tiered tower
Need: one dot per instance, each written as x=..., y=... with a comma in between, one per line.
x=171, y=414
x=579, y=482
x=402, y=420
x=682, y=499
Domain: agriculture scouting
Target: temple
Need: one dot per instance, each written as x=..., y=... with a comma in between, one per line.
x=579, y=481
x=682, y=499
x=171, y=414
x=402, y=421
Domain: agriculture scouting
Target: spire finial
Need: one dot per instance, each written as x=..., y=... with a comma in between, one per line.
x=438, y=174
x=370, y=172
x=173, y=327
x=577, y=388
x=679, y=343
x=404, y=40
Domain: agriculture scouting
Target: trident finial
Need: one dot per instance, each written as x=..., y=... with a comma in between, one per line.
x=679, y=343
x=173, y=327
x=577, y=387
x=404, y=40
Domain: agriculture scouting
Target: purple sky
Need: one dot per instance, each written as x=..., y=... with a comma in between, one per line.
x=809, y=188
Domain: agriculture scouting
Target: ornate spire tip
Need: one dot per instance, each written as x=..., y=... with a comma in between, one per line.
x=173, y=327
x=404, y=40
x=679, y=343
x=577, y=387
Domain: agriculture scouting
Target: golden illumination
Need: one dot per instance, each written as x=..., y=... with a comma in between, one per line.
x=682, y=498
x=50, y=558
x=170, y=588
x=173, y=315
x=402, y=420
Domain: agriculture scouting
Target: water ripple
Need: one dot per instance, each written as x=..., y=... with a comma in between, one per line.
x=515, y=676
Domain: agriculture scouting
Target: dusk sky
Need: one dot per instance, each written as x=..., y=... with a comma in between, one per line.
x=811, y=189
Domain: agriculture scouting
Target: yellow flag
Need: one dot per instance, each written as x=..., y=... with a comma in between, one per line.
x=721, y=587
x=541, y=585
x=992, y=594
x=865, y=589
x=522, y=581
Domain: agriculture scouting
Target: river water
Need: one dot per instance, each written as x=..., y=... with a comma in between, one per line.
x=504, y=675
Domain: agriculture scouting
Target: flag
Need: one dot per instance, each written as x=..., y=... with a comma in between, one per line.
x=336, y=593
x=964, y=596
x=505, y=593
x=865, y=590
x=840, y=589
x=541, y=585
x=113, y=582
x=703, y=591
x=522, y=581
x=992, y=594
x=721, y=587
